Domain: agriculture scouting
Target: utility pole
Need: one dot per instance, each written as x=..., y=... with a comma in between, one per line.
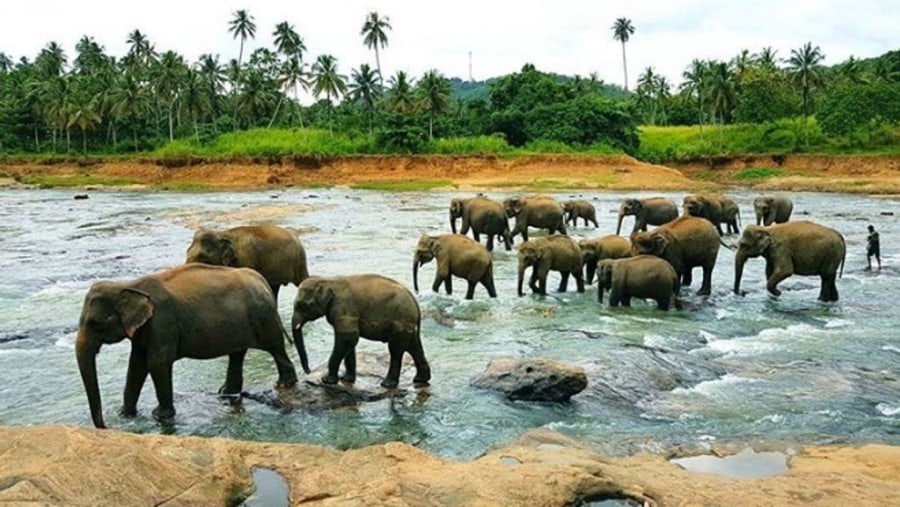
x=470, y=67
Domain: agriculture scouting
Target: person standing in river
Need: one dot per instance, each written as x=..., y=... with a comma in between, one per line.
x=873, y=247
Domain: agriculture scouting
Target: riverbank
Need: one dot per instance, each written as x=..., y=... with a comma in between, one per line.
x=47, y=465
x=877, y=174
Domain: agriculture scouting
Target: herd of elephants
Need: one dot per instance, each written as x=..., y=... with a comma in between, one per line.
x=223, y=300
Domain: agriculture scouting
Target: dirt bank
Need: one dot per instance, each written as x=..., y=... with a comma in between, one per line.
x=55, y=465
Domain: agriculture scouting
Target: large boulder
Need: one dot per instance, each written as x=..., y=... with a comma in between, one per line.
x=532, y=379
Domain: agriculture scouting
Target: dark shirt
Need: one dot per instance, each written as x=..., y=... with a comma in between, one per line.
x=873, y=244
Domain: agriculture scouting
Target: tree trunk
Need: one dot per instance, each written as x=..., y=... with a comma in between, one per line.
x=37, y=139
x=625, y=65
x=171, y=134
x=277, y=107
x=68, y=140
x=84, y=141
x=378, y=64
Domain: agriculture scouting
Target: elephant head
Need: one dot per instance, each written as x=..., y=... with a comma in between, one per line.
x=604, y=277
x=652, y=243
x=314, y=297
x=765, y=210
x=695, y=205
x=590, y=253
x=111, y=312
x=426, y=249
x=211, y=247
x=456, y=211
x=755, y=241
x=628, y=207
x=530, y=254
x=513, y=206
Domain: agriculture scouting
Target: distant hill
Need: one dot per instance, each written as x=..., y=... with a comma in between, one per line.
x=465, y=90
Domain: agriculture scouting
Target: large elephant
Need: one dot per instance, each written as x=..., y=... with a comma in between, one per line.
x=556, y=253
x=801, y=248
x=770, y=209
x=369, y=306
x=686, y=242
x=275, y=252
x=196, y=311
x=483, y=216
x=593, y=250
x=716, y=208
x=579, y=209
x=643, y=276
x=652, y=211
x=456, y=255
x=542, y=212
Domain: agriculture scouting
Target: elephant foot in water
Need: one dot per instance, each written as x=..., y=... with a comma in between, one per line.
x=164, y=414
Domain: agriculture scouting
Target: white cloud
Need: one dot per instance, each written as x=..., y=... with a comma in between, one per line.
x=565, y=36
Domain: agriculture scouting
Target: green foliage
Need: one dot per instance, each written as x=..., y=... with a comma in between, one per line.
x=270, y=142
x=765, y=96
x=758, y=173
x=479, y=145
x=860, y=107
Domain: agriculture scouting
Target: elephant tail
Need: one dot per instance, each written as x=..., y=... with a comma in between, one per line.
x=289, y=338
x=727, y=245
x=844, y=257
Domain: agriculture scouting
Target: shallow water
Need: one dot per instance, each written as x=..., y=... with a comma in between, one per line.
x=727, y=368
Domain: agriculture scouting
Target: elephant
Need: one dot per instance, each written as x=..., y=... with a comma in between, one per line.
x=643, y=276
x=275, y=252
x=716, y=208
x=557, y=253
x=686, y=242
x=652, y=211
x=605, y=247
x=369, y=306
x=483, y=216
x=538, y=211
x=772, y=209
x=193, y=310
x=579, y=209
x=456, y=255
x=802, y=248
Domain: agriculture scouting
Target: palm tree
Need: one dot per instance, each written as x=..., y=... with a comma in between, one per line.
x=741, y=64
x=721, y=91
x=294, y=76
x=327, y=80
x=767, y=59
x=622, y=31
x=129, y=102
x=807, y=73
x=83, y=109
x=168, y=82
x=242, y=26
x=213, y=77
x=194, y=99
x=6, y=63
x=400, y=95
x=287, y=41
x=434, y=95
x=364, y=89
x=373, y=32
x=694, y=84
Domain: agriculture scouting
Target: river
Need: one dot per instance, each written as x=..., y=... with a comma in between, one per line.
x=725, y=369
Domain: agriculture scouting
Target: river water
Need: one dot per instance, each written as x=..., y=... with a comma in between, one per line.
x=725, y=369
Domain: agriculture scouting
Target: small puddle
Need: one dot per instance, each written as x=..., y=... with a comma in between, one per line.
x=747, y=464
x=269, y=490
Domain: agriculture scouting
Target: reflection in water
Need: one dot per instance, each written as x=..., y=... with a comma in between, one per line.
x=725, y=368
x=747, y=464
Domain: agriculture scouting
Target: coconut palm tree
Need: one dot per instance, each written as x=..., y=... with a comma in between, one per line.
x=693, y=84
x=129, y=102
x=213, y=77
x=721, y=90
x=168, y=77
x=365, y=90
x=434, y=95
x=806, y=71
x=400, y=94
x=741, y=63
x=6, y=64
x=622, y=31
x=327, y=80
x=294, y=75
x=242, y=25
x=767, y=58
x=287, y=41
x=373, y=32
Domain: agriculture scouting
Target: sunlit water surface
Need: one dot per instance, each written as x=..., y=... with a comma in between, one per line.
x=726, y=369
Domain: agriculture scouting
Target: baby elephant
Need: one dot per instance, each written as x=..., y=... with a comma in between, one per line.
x=604, y=247
x=557, y=253
x=368, y=306
x=643, y=276
x=456, y=255
x=579, y=209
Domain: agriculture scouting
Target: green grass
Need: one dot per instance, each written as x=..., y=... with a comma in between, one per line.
x=402, y=185
x=186, y=186
x=758, y=173
x=480, y=145
x=81, y=180
x=270, y=143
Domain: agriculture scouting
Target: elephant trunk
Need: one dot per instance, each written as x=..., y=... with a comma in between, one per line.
x=599, y=291
x=415, y=267
x=86, y=354
x=452, y=222
x=619, y=225
x=297, y=332
x=590, y=268
x=521, y=279
x=739, y=259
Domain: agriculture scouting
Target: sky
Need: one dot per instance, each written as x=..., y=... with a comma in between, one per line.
x=563, y=36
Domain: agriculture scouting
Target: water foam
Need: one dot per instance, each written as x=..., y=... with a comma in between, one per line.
x=888, y=409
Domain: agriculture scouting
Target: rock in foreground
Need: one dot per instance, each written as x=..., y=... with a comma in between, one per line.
x=532, y=379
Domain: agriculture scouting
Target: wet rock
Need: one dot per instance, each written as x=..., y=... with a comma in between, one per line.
x=80, y=197
x=532, y=379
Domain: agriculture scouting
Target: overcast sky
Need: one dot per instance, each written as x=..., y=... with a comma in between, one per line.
x=563, y=36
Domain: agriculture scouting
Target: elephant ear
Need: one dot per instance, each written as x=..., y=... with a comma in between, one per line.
x=323, y=294
x=660, y=242
x=226, y=252
x=434, y=245
x=135, y=309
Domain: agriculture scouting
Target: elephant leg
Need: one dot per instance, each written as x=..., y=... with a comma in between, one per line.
x=563, y=281
x=287, y=375
x=488, y=282
x=777, y=276
x=275, y=288
x=162, y=382
x=234, y=378
x=706, y=285
x=134, y=382
x=596, y=225
x=579, y=281
x=626, y=300
x=423, y=369
x=393, y=375
x=448, y=284
x=470, y=290
x=490, y=243
x=533, y=281
x=344, y=343
x=687, y=277
x=349, y=375
x=507, y=240
x=663, y=304
x=436, y=285
x=828, y=293
x=477, y=236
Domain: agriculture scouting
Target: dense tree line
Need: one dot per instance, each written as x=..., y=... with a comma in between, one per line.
x=93, y=101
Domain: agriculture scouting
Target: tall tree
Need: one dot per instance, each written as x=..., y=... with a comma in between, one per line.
x=327, y=80
x=287, y=41
x=364, y=89
x=767, y=58
x=804, y=66
x=721, y=91
x=622, y=32
x=693, y=84
x=242, y=26
x=373, y=32
x=434, y=95
x=6, y=63
x=400, y=94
